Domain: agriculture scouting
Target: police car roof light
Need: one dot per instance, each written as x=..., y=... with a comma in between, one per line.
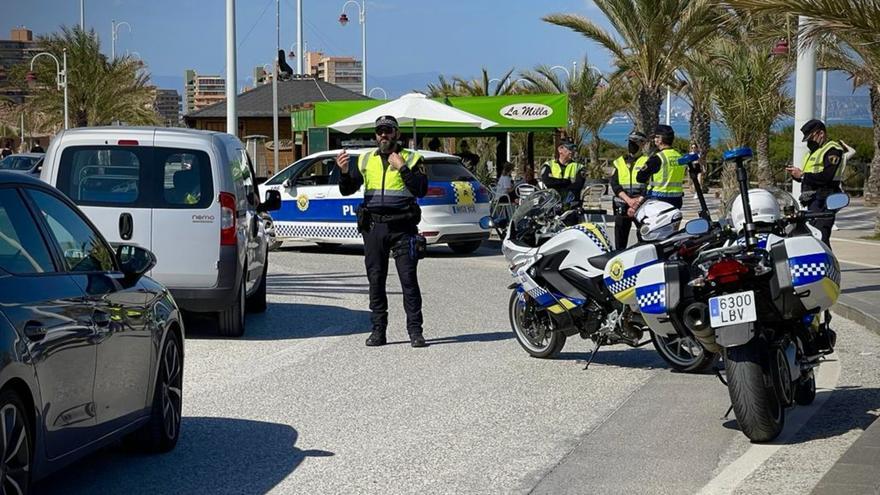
x=744, y=152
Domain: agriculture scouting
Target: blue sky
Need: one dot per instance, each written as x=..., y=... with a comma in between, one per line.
x=453, y=37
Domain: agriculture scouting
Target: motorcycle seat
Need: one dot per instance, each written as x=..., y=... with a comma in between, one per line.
x=601, y=260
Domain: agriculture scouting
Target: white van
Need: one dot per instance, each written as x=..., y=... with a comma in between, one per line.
x=186, y=195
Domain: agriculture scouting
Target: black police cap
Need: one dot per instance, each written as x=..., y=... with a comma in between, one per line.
x=387, y=121
x=664, y=131
x=811, y=126
x=637, y=136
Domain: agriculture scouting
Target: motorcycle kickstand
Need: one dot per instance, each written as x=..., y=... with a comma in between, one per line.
x=593, y=354
x=722, y=380
x=727, y=414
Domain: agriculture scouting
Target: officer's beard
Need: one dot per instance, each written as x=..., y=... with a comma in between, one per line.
x=813, y=145
x=633, y=147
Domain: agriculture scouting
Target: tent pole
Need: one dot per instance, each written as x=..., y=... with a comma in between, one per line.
x=415, y=140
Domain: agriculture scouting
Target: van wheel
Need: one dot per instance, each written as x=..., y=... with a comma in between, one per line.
x=230, y=322
x=256, y=303
x=467, y=247
x=17, y=445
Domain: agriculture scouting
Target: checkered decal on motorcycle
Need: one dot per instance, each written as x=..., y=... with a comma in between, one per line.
x=601, y=242
x=812, y=268
x=762, y=241
x=630, y=276
x=541, y=296
x=306, y=231
x=652, y=298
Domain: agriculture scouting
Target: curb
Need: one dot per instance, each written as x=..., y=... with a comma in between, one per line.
x=849, y=312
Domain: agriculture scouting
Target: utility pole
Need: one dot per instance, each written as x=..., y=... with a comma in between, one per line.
x=82, y=15
x=805, y=99
x=299, y=37
x=231, y=82
x=276, y=145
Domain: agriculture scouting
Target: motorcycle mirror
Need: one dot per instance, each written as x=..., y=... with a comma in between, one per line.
x=697, y=226
x=836, y=201
x=487, y=223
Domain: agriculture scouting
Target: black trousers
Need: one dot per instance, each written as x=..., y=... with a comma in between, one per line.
x=378, y=244
x=622, y=225
x=823, y=224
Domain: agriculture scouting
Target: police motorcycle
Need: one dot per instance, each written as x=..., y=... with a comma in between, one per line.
x=761, y=299
x=568, y=281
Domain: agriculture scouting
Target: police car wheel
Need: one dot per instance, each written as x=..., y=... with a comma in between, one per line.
x=467, y=247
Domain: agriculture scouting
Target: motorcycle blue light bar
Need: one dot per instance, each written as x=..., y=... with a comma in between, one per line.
x=744, y=152
x=689, y=158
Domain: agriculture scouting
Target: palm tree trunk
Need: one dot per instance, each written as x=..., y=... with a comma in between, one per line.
x=701, y=136
x=872, y=185
x=649, y=109
x=765, y=178
x=594, y=170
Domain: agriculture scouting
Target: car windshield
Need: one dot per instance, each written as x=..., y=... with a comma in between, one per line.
x=447, y=170
x=536, y=204
x=18, y=162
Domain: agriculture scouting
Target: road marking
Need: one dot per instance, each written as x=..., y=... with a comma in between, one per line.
x=866, y=265
x=866, y=243
x=729, y=479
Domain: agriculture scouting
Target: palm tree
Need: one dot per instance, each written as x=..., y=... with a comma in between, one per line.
x=651, y=40
x=100, y=91
x=749, y=94
x=481, y=86
x=443, y=88
x=854, y=25
x=698, y=89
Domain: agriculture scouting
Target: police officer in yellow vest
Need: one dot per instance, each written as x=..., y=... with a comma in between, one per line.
x=662, y=173
x=562, y=173
x=821, y=173
x=627, y=190
x=388, y=219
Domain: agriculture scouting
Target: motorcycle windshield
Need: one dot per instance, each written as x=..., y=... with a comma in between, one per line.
x=536, y=204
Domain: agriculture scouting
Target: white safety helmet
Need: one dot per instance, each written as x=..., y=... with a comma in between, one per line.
x=657, y=220
x=764, y=205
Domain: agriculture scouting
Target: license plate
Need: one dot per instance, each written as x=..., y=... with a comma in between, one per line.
x=464, y=209
x=731, y=309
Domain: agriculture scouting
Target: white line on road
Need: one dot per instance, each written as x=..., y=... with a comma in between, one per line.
x=740, y=469
x=866, y=265
x=866, y=243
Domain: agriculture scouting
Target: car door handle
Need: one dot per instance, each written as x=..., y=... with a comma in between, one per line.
x=320, y=195
x=35, y=331
x=126, y=226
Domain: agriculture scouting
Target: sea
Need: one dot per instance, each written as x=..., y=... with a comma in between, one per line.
x=618, y=131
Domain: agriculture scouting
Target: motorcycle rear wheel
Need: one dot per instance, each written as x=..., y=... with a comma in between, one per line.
x=547, y=347
x=686, y=355
x=758, y=409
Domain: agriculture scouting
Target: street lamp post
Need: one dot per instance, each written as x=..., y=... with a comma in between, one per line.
x=114, y=36
x=60, y=76
x=805, y=99
x=384, y=94
x=668, y=105
x=824, y=108
x=292, y=53
x=362, y=18
x=567, y=73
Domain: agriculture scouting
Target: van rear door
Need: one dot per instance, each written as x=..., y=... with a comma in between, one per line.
x=110, y=181
x=186, y=214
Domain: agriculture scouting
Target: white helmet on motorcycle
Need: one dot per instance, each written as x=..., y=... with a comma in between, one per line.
x=657, y=220
x=764, y=206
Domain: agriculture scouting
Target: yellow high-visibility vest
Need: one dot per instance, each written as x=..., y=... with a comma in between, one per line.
x=668, y=182
x=815, y=161
x=383, y=186
x=626, y=176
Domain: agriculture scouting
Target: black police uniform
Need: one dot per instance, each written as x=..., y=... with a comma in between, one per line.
x=391, y=228
x=652, y=166
x=816, y=187
x=622, y=221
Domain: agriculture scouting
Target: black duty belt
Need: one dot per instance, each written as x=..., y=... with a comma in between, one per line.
x=393, y=217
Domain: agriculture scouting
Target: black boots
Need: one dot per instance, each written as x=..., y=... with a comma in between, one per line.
x=417, y=340
x=376, y=338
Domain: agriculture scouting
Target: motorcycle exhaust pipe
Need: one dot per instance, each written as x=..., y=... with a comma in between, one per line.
x=696, y=319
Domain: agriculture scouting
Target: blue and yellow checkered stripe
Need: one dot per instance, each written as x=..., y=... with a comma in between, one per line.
x=623, y=288
x=457, y=193
x=596, y=233
x=554, y=303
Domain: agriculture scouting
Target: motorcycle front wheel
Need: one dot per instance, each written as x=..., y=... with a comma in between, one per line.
x=537, y=343
x=683, y=354
x=750, y=383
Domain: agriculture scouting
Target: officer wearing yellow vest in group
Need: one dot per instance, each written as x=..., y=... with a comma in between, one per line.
x=662, y=173
x=388, y=219
x=627, y=190
x=562, y=173
x=821, y=174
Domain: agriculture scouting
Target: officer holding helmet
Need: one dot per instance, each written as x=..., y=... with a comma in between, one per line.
x=627, y=190
x=662, y=173
x=821, y=174
x=388, y=219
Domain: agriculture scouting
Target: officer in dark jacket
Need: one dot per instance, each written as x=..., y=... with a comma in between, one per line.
x=562, y=173
x=627, y=190
x=388, y=219
x=820, y=175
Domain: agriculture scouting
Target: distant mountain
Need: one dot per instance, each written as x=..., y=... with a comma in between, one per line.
x=401, y=84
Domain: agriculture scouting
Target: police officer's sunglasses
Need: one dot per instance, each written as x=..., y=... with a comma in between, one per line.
x=384, y=130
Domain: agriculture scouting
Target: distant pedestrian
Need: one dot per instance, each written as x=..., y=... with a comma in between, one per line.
x=6, y=150
x=434, y=144
x=505, y=183
x=471, y=160
x=37, y=148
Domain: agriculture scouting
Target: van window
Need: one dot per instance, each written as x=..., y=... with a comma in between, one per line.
x=104, y=175
x=186, y=178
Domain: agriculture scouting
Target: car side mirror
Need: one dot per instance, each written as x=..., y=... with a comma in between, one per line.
x=134, y=261
x=836, y=201
x=272, y=202
x=697, y=226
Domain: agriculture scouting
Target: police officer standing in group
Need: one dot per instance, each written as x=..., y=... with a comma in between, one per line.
x=561, y=174
x=627, y=190
x=388, y=219
x=662, y=173
x=821, y=174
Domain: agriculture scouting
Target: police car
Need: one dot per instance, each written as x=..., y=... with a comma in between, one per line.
x=313, y=209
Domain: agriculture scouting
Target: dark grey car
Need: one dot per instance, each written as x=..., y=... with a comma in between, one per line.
x=90, y=348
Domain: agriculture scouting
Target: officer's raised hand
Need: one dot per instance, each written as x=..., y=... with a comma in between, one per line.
x=396, y=161
x=342, y=161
